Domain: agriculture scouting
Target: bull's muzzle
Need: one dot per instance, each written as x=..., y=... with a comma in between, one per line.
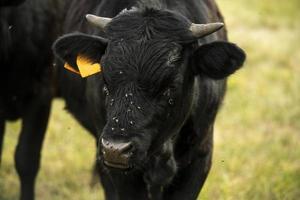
x=116, y=154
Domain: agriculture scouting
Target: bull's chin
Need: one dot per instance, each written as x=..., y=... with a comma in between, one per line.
x=116, y=165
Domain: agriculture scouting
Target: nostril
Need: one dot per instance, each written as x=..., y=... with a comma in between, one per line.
x=116, y=147
x=104, y=142
x=116, y=154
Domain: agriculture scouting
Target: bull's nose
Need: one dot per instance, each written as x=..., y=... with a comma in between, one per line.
x=116, y=154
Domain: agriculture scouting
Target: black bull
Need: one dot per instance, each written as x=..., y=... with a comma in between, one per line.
x=156, y=97
x=27, y=31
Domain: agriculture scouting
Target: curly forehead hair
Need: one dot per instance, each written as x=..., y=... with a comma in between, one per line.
x=149, y=23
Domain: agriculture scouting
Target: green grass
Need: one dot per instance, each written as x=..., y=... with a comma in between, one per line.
x=257, y=139
x=67, y=161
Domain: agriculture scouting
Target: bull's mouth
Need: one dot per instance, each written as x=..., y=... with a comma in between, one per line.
x=116, y=165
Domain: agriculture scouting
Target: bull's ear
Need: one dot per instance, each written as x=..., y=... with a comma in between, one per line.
x=218, y=60
x=81, y=53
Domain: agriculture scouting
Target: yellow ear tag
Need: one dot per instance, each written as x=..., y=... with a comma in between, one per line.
x=86, y=68
x=68, y=67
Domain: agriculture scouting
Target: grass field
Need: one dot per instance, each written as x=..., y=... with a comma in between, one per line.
x=257, y=139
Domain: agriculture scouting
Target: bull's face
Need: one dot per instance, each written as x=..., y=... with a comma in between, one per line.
x=143, y=89
x=149, y=61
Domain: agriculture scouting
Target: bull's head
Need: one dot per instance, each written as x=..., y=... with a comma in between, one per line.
x=149, y=61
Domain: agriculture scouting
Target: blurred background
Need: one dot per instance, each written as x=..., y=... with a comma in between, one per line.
x=257, y=138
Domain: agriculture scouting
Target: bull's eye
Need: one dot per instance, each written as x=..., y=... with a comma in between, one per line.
x=105, y=90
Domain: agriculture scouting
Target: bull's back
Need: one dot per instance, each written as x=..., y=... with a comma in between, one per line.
x=27, y=32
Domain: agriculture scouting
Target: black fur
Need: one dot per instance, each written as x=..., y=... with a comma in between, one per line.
x=158, y=81
x=11, y=2
x=68, y=47
x=149, y=23
x=27, y=32
x=218, y=59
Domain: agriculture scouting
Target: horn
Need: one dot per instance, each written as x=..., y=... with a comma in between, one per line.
x=201, y=30
x=99, y=22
